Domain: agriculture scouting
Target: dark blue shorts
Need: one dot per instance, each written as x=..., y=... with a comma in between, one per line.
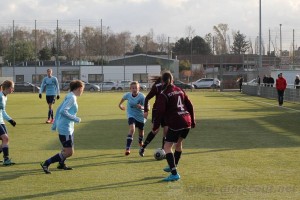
x=67, y=141
x=138, y=124
x=3, y=129
x=50, y=99
x=173, y=136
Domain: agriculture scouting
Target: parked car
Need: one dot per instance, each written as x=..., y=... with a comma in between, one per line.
x=109, y=85
x=126, y=83
x=87, y=86
x=207, y=83
x=183, y=85
x=252, y=82
x=26, y=87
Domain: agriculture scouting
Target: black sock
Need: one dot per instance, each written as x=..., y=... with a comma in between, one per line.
x=149, y=138
x=56, y=158
x=128, y=141
x=171, y=162
x=177, y=155
x=5, y=151
x=163, y=142
x=141, y=139
x=49, y=113
x=62, y=162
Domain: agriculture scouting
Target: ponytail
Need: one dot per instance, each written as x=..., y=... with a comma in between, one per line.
x=167, y=78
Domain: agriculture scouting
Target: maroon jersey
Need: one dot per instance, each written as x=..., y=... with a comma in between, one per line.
x=176, y=108
x=155, y=91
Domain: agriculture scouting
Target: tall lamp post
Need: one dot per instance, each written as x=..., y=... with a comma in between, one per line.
x=260, y=53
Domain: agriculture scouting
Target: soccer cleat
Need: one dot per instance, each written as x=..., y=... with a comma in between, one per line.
x=45, y=168
x=167, y=169
x=141, y=143
x=127, y=152
x=142, y=151
x=48, y=121
x=172, y=177
x=52, y=121
x=63, y=166
x=8, y=162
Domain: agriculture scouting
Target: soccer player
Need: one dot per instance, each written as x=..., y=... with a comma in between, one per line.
x=64, y=124
x=155, y=91
x=52, y=92
x=135, y=114
x=7, y=87
x=174, y=105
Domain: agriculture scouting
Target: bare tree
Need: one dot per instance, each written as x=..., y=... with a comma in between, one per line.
x=162, y=42
x=220, y=38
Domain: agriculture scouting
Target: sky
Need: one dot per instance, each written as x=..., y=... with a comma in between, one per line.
x=168, y=17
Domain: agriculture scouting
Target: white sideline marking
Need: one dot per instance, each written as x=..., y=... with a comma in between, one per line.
x=283, y=107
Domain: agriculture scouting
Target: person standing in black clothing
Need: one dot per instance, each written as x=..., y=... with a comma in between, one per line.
x=297, y=82
x=265, y=80
x=271, y=81
x=240, y=82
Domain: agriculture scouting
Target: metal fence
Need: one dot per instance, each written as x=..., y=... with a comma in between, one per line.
x=290, y=94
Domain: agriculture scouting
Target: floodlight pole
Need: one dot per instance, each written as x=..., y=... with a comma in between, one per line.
x=260, y=53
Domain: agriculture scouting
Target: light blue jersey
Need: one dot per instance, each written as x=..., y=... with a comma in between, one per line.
x=66, y=115
x=3, y=114
x=51, y=85
x=132, y=110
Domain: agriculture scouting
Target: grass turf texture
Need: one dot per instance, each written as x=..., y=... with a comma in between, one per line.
x=242, y=148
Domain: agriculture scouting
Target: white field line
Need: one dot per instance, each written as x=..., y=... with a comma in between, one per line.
x=262, y=102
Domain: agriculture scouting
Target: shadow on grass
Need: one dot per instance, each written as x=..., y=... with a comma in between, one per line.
x=275, y=130
x=4, y=176
x=144, y=181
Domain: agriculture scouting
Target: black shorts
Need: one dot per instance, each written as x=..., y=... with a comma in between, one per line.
x=67, y=141
x=173, y=136
x=137, y=124
x=3, y=129
x=50, y=99
x=162, y=121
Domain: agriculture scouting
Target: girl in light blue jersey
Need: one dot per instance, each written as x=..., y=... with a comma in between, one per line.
x=52, y=91
x=135, y=113
x=64, y=124
x=7, y=88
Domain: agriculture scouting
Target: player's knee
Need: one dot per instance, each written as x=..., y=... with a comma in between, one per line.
x=68, y=152
x=4, y=139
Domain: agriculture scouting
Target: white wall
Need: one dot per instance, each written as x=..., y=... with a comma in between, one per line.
x=289, y=75
x=118, y=73
x=111, y=73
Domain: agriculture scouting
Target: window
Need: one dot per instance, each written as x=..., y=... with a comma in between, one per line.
x=141, y=78
x=95, y=78
x=19, y=78
x=38, y=78
x=69, y=75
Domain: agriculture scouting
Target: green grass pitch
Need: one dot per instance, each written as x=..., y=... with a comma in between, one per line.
x=243, y=147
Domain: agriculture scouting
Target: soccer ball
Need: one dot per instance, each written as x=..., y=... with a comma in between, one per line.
x=159, y=154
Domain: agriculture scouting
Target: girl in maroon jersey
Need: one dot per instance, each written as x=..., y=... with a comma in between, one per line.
x=176, y=108
x=154, y=92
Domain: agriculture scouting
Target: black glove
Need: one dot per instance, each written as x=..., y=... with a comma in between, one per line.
x=40, y=96
x=57, y=97
x=12, y=122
